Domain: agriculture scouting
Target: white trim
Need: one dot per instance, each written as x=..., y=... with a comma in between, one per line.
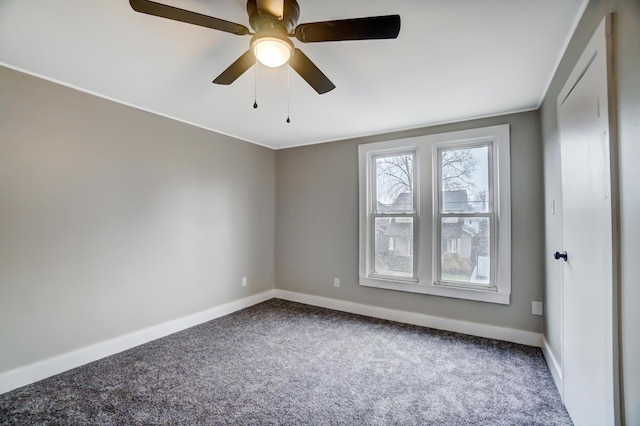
x=129, y=104
x=376, y=133
x=522, y=337
x=394, y=133
x=476, y=295
x=565, y=46
x=554, y=366
x=599, y=48
x=31, y=373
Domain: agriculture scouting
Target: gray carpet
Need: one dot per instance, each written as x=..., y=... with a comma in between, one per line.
x=283, y=363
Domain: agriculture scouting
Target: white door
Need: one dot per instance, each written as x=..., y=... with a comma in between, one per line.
x=588, y=322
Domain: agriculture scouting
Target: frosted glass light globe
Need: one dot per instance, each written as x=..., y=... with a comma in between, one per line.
x=271, y=51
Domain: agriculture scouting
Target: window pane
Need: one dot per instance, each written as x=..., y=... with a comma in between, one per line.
x=394, y=246
x=465, y=179
x=394, y=184
x=465, y=250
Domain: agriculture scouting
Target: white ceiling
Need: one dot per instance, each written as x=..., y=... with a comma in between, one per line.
x=453, y=60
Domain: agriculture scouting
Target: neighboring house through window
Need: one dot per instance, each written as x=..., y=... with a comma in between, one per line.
x=435, y=214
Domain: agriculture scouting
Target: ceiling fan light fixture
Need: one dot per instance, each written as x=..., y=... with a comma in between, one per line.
x=272, y=51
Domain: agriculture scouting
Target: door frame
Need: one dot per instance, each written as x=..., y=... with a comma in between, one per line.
x=602, y=40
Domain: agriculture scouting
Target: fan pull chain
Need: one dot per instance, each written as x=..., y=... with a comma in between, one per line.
x=288, y=93
x=255, y=84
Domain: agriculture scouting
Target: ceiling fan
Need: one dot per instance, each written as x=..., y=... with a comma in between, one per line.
x=274, y=22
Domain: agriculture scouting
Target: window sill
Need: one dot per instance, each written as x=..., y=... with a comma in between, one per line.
x=480, y=294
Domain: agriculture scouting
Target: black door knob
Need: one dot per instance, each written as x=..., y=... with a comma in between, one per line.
x=559, y=255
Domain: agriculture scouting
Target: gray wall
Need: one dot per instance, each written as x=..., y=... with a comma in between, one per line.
x=113, y=219
x=627, y=67
x=317, y=227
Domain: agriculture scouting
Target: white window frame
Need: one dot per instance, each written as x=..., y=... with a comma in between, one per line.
x=427, y=244
x=374, y=214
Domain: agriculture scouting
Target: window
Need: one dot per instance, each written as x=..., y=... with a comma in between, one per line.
x=464, y=215
x=435, y=214
x=393, y=215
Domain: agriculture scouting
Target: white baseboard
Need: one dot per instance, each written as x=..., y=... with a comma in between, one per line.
x=41, y=370
x=554, y=366
x=31, y=373
x=528, y=338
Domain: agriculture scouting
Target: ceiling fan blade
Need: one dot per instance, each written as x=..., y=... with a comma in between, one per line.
x=272, y=7
x=236, y=69
x=170, y=12
x=375, y=27
x=312, y=74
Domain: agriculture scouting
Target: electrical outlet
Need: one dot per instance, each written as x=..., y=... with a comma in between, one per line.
x=336, y=282
x=536, y=308
x=244, y=281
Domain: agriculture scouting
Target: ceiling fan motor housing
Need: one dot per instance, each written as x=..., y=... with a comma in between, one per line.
x=261, y=20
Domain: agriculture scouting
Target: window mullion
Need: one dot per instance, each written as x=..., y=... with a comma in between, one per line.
x=394, y=215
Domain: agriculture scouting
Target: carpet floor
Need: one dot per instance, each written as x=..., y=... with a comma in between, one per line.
x=284, y=363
